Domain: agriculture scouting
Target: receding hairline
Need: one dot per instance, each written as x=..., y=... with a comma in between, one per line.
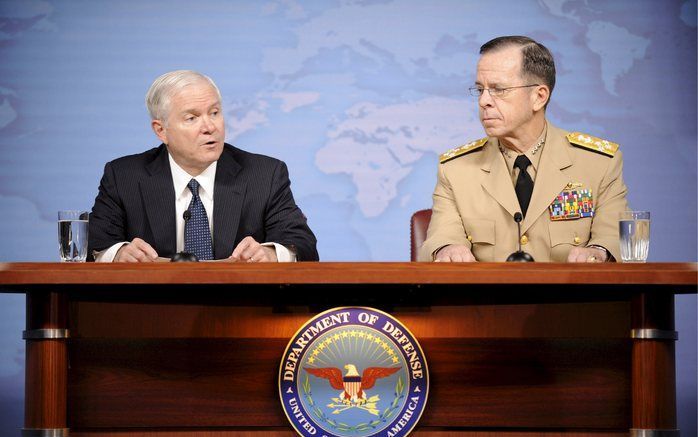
x=498, y=50
x=507, y=41
x=505, y=47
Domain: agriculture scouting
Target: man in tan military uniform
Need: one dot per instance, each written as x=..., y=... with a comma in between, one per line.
x=577, y=184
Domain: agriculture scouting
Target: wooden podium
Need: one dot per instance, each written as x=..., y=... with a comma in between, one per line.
x=194, y=349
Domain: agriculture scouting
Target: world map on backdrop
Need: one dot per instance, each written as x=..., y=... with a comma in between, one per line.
x=358, y=97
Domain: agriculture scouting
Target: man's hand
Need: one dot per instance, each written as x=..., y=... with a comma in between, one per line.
x=454, y=253
x=137, y=251
x=587, y=255
x=252, y=252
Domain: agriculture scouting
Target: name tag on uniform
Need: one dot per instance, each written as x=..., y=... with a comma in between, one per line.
x=572, y=203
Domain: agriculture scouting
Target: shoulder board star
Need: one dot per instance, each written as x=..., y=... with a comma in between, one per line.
x=592, y=143
x=462, y=150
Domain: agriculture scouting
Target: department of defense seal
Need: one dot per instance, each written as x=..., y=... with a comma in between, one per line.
x=353, y=372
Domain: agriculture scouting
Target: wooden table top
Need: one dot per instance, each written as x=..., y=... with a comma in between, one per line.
x=684, y=275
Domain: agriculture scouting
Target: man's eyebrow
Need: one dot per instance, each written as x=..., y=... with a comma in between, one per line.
x=187, y=111
x=194, y=110
x=492, y=84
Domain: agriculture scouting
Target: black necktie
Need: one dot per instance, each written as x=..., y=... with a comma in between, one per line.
x=524, y=183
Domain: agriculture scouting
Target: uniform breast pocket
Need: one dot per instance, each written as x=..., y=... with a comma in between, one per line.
x=566, y=234
x=480, y=232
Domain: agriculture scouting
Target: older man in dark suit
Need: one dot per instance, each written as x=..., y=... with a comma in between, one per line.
x=194, y=192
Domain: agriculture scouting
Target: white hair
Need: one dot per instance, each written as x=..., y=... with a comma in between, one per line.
x=157, y=99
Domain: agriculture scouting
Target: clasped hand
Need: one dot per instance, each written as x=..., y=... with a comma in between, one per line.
x=248, y=250
x=462, y=253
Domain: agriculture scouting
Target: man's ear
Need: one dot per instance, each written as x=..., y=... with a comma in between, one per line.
x=160, y=130
x=540, y=97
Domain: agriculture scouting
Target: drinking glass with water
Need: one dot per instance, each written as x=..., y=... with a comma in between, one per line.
x=634, y=230
x=72, y=235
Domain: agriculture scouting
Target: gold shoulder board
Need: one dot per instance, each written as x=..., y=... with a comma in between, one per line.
x=592, y=143
x=462, y=150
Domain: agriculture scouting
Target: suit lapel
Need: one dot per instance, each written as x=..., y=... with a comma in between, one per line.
x=550, y=180
x=159, y=203
x=497, y=180
x=228, y=197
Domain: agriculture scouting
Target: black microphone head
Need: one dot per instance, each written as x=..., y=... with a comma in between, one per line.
x=521, y=257
x=184, y=257
x=186, y=215
x=518, y=217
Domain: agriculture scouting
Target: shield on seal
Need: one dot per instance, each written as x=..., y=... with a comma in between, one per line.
x=352, y=385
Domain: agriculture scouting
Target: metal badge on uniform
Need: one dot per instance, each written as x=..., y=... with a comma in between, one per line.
x=572, y=203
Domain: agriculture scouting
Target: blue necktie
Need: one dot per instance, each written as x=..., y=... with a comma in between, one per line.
x=197, y=234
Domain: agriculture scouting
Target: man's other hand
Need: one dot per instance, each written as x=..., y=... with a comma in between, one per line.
x=137, y=251
x=457, y=253
x=587, y=255
x=251, y=251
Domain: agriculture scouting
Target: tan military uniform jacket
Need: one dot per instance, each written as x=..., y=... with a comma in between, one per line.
x=475, y=201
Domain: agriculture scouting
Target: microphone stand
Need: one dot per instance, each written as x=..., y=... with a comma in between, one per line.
x=520, y=255
x=184, y=256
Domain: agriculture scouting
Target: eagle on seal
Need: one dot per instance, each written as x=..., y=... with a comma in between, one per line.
x=352, y=384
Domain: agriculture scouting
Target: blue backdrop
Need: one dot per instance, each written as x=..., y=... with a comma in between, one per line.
x=358, y=97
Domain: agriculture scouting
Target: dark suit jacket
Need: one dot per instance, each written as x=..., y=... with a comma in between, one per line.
x=252, y=197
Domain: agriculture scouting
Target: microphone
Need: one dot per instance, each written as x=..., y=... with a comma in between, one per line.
x=519, y=255
x=185, y=256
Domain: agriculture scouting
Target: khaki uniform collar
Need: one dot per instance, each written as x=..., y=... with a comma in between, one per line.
x=549, y=181
x=533, y=153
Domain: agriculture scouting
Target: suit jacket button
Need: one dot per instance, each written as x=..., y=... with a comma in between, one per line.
x=577, y=240
x=470, y=238
x=524, y=239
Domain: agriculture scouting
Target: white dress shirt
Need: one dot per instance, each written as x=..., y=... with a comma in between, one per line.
x=183, y=195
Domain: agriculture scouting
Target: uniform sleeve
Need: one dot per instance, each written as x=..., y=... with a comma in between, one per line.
x=610, y=201
x=446, y=226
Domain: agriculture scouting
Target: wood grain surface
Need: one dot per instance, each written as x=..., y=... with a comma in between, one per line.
x=134, y=320
x=477, y=383
x=677, y=274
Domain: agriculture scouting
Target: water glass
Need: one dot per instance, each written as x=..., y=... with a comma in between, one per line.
x=72, y=235
x=634, y=231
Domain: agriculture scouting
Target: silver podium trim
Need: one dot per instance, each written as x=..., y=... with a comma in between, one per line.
x=44, y=334
x=635, y=432
x=654, y=334
x=45, y=432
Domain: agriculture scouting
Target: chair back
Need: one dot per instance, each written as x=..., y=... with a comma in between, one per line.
x=418, y=231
